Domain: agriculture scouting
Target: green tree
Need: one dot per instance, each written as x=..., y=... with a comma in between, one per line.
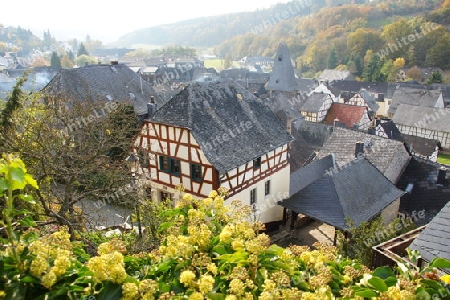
x=372, y=70
x=82, y=50
x=55, y=61
x=13, y=104
x=332, y=59
x=435, y=77
x=358, y=241
x=85, y=60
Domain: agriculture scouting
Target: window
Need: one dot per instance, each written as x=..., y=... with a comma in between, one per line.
x=257, y=163
x=164, y=164
x=196, y=172
x=174, y=166
x=267, y=188
x=169, y=165
x=252, y=196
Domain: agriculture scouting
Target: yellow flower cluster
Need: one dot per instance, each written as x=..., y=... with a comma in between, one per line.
x=144, y=290
x=109, y=265
x=53, y=256
x=394, y=293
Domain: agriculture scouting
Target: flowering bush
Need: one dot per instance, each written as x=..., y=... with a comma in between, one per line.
x=208, y=250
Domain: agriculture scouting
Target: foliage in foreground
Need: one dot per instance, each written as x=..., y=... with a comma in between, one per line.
x=209, y=250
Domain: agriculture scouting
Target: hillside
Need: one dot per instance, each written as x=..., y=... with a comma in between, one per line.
x=415, y=31
x=211, y=31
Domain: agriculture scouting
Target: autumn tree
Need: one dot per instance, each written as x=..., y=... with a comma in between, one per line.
x=414, y=73
x=75, y=150
x=66, y=62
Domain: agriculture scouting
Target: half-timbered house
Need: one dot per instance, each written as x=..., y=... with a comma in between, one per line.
x=316, y=107
x=217, y=135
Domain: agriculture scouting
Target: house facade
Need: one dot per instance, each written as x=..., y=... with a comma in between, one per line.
x=427, y=122
x=316, y=107
x=217, y=135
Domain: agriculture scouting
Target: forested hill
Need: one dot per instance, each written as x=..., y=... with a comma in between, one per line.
x=415, y=31
x=212, y=31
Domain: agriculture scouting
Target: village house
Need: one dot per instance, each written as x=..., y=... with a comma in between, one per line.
x=427, y=122
x=417, y=146
x=390, y=157
x=217, y=135
x=342, y=197
x=316, y=107
x=114, y=82
x=366, y=99
x=350, y=116
x=415, y=97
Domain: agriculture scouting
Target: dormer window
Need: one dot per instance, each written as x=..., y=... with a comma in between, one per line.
x=279, y=58
x=257, y=163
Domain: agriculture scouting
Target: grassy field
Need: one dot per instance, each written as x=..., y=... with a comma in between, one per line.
x=217, y=63
x=444, y=159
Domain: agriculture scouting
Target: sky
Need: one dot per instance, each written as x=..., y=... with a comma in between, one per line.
x=108, y=20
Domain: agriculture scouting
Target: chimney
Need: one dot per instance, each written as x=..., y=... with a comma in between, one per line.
x=359, y=150
x=442, y=172
x=151, y=107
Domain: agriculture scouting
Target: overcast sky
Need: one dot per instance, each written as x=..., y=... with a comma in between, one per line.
x=108, y=20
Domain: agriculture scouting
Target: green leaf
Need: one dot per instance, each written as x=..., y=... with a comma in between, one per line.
x=390, y=281
x=216, y=296
x=365, y=292
x=27, y=221
x=383, y=272
x=29, y=279
x=30, y=180
x=27, y=198
x=441, y=263
x=3, y=185
x=110, y=291
x=378, y=284
x=431, y=283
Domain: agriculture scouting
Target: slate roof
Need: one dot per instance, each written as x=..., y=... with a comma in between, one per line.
x=388, y=156
x=282, y=77
x=309, y=139
x=357, y=191
x=434, y=240
x=310, y=173
x=369, y=99
x=98, y=82
x=391, y=130
x=414, y=144
x=289, y=104
x=314, y=102
x=352, y=86
x=335, y=75
x=416, y=97
x=423, y=117
x=346, y=114
x=212, y=110
x=426, y=194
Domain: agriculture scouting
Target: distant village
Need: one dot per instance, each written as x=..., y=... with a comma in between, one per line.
x=327, y=149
